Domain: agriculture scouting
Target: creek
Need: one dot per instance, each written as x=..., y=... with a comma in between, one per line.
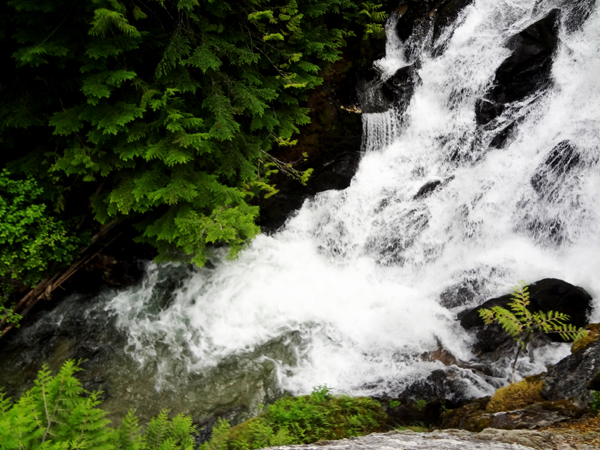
x=360, y=283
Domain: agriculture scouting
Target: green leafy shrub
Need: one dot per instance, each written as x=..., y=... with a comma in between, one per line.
x=32, y=238
x=301, y=420
x=162, y=112
x=523, y=325
x=57, y=413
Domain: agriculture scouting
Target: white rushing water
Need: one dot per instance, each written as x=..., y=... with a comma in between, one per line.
x=358, y=274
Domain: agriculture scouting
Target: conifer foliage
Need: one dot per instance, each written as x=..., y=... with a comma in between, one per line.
x=159, y=110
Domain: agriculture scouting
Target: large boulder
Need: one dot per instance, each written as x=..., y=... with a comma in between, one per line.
x=573, y=376
x=549, y=294
x=552, y=173
x=525, y=71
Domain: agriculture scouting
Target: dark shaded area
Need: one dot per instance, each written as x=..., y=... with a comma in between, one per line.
x=409, y=413
x=332, y=141
x=545, y=295
x=378, y=96
x=525, y=71
x=502, y=138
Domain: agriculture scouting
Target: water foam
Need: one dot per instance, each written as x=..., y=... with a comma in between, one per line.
x=357, y=274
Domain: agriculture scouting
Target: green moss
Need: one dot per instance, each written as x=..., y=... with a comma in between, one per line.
x=593, y=330
x=302, y=420
x=471, y=417
x=517, y=395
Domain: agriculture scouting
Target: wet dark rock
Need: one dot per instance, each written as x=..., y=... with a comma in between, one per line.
x=408, y=413
x=571, y=376
x=552, y=173
x=470, y=417
x=449, y=384
x=487, y=110
x=331, y=171
x=412, y=13
x=502, y=138
x=373, y=98
x=427, y=189
x=525, y=71
x=492, y=338
x=430, y=187
x=378, y=95
x=545, y=295
x=457, y=295
x=401, y=86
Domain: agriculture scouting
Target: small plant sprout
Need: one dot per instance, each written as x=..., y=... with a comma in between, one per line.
x=523, y=325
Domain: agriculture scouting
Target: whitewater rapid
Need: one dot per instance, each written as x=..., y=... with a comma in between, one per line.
x=352, y=282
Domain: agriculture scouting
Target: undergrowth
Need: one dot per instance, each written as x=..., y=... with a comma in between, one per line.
x=301, y=420
x=58, y=414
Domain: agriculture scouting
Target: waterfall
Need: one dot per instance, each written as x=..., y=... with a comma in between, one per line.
x=356, y=290
x=353, y=281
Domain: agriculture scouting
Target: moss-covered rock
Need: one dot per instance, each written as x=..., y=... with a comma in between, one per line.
x=302, y=420
x=517, y=395
x=514, y=407
x=593, y=330
x=471, y=417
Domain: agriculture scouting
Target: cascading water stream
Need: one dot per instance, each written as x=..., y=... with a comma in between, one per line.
x=357, y=274
x=348, y=292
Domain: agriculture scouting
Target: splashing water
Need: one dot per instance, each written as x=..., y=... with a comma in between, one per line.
x=348, y=292
x=357, y=274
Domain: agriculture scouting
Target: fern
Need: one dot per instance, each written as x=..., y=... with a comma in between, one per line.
x=301, y=420
x=523, y=325
x=57, y=413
